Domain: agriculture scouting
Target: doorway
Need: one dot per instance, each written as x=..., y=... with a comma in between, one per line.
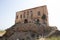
x=37, y=20
x=25, y=21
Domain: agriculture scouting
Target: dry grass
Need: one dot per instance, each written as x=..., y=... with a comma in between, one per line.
x=2, y=33
x=53, y=38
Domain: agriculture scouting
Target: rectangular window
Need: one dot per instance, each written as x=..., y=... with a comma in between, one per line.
x=31, y=14
x=24, y=15
x=27, y=14
x=16, y=17
x=20, y=16
x=39, y=13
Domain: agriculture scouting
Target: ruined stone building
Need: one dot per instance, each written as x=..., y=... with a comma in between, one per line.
x=37, y=14
x=30, y=24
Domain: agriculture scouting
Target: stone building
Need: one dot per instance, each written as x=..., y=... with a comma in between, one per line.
x=37, y=14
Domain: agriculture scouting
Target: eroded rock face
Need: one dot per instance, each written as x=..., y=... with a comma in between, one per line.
x=26, y=27
x=22, y=36
x=22, y=31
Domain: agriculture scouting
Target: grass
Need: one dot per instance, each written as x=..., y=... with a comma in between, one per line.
x=53, y=38
x=2, y=33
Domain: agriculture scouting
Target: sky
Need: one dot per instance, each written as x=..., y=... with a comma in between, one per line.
x=8, y=9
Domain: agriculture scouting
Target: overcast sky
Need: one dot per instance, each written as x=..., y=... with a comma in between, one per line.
x=8, y=9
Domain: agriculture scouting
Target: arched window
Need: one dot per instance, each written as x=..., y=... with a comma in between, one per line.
x=25, y=21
